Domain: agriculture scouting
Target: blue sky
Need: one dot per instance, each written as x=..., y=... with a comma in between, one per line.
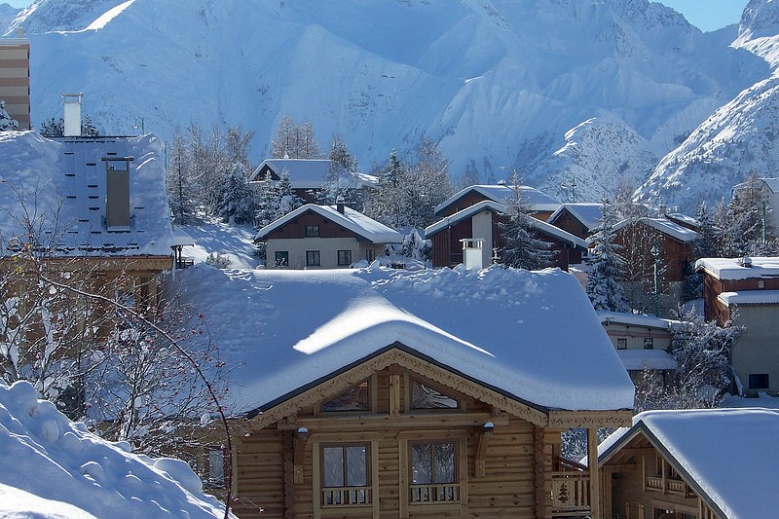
x=707, y=15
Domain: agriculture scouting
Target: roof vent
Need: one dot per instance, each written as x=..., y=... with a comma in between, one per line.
x=745, y=262
x=339, y=204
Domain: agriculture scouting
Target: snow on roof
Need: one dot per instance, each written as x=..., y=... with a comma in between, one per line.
x=750, y=297
x=637, y=360
x=65, y=182
x=733, y=269
x=350, y=219
x=487, y=205
x=286, y=330
x=587, y=213
x=534, y=199
x=680, y=217
x=52, y=468
x=310, y=173
x=665, y=226
x=725, y=454
x=634, y=319
x=772, y=184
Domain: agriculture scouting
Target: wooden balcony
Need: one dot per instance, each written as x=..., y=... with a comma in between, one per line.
x=667, y=485
x=570, y=490
x=346, y=496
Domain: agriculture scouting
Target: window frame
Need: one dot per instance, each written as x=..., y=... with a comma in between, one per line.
x=312, y=231
x=281, y=254
x=329, y=440
x=315, y=254
x=649, y=343
x=622, y=343
x=409, y=384
x=372, y=382
x=347, y=253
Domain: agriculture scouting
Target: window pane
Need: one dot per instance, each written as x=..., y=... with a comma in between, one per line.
x=357, y=466
x=355, y=399
x=425, y=397
x=444, y=463
x=334, y=466
x=421, y=472
x=216, y=466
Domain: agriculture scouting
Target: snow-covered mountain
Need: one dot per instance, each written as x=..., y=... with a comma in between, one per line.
x=738, y=139
x=543, y=87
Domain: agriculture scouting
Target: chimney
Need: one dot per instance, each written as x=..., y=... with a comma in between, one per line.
x=72, y=118
x=339, y=204
x=472, y=253
x=20, y=32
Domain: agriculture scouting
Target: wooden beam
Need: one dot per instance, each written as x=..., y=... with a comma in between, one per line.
x=299, y=459
x=480, y=469
x=592, y=462
x=387, y=421
x=394, y=395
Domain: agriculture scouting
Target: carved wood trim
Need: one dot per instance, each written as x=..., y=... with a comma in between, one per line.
x=586, y=419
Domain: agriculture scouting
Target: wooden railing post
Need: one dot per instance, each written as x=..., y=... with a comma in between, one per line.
x=592, y=461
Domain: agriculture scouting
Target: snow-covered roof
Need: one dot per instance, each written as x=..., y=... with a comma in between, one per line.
x=734, y=269
x=650, y=321
x=726, y=455
x=286, y=330
x=532, y=198
x=665, y=226
x=772, y=184
x=684, y=218
x=487, y=205
x=637, y=360
x=64, y=181
x=309, y=173
x=350, y=219
x=587, y=213
x=52, y=468
x=750, y=297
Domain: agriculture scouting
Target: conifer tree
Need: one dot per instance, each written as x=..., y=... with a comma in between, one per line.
x=522, y=249
x=237, y=203
x=604, y=281
x=6, y=123
x=288, y=200
x=267, y=203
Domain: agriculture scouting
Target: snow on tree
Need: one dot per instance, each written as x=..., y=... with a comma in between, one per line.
x=267, y=203
x=6, y=123
x=288, y=200
x=745, y=223
x=604, y=280
x=522, y=249
x=179, y=185
x=294, y=141
x=238, y=203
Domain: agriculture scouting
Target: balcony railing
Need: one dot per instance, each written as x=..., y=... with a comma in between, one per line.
x=435, y=493
x=346, y=496
x=570, y=490
x=672, y=486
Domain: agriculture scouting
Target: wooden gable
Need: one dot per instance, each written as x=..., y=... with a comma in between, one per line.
x=325, y=228
x=502, y=453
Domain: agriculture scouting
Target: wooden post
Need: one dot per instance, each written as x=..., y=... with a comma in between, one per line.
x=394, y=394
x=592, y=462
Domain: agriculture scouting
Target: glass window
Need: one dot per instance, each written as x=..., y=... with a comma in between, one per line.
x=434, y=472
x=216, y=467
x=345, y=474
x=354, y=399
x=312, y=258
x=426, y=397
x=758, y=381
x=312, y=231
x=344, y=257
x=649, y=343
x=282, y=258
x=622, y=343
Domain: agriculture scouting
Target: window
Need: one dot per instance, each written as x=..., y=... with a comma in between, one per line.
x=426, y=397
x=312, y=258
x=282, y=258
x=434, y=472
x=622, y=343
x=344, y=257
x=758, y=381
x=216, y=467
x=369, y=254
x=312, y=231
x=355, y=399
x=649, y=343
x=346, y=474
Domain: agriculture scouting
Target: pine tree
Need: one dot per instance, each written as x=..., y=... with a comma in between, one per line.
x=746, y=223
x=707, y=244
x=604, y=281
x=237, y=203
x=6, y=123
x=267, y=203
x=294, y=141
x=288, y=200
x=521, y=248
x=181, y=192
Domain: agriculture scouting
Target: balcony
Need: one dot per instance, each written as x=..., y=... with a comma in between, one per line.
x=668, y=485
x=570, y=490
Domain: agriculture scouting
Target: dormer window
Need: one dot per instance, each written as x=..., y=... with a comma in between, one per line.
x=117, y=192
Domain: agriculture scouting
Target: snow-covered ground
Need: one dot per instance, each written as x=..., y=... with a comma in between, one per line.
x=51, y=468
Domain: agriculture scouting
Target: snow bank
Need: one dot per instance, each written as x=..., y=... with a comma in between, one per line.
x=53, y=468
